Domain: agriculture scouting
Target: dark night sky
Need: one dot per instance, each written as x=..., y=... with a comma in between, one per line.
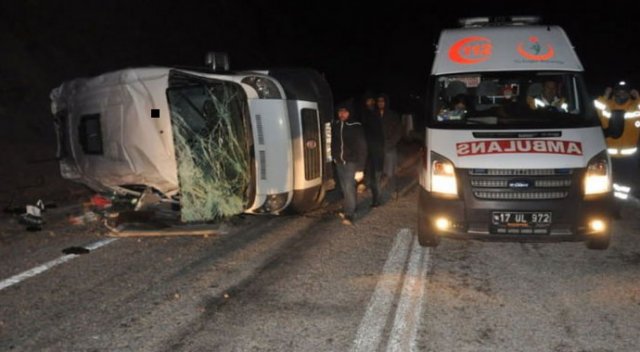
x=379, y=46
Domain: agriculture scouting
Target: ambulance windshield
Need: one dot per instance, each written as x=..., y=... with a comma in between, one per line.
x=497, y=100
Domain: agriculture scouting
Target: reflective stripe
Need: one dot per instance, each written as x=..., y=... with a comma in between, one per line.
x=607, y=113
x=626, y=151
x=621, y=188
x=631, y=115
x=539, y=103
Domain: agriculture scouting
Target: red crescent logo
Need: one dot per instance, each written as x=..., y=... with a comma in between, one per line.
x=471, y=50
x=544, y=57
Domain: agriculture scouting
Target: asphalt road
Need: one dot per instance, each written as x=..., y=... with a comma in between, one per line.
x=309, y=283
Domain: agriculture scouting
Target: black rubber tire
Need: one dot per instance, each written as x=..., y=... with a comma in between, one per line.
x=426, y=235
x=599, y=242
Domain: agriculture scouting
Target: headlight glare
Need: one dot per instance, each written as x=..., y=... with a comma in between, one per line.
x=598, y=177
x=443, y=177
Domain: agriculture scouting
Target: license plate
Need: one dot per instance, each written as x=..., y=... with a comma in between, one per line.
x=521, y=219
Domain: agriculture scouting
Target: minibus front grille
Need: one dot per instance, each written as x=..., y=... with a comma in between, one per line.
x=260, y=129
x=263, y=164
x=311, y=144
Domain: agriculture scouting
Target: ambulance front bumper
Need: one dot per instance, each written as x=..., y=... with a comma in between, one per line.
x=570, y=219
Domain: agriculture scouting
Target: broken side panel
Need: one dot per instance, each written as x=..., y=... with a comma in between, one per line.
x=213, y=143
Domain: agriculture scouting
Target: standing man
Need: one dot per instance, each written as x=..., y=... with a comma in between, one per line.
x=628, y=100
x=392, y=128
x=348, y=148
x=374, y=135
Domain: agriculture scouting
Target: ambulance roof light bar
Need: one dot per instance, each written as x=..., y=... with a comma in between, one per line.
x=474, y=22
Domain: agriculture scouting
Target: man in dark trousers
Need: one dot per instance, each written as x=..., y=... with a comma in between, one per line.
x=374, y=135
x=392, y=128
x=348, y=150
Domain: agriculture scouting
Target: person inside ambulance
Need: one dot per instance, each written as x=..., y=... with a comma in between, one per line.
x=456, y=108
x=628, y=100
x=547, y=98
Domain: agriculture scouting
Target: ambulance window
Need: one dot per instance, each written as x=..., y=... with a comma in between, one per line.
x=537, y=99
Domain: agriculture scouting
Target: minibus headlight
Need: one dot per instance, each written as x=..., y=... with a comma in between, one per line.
x=274, y=203
x=265, y=87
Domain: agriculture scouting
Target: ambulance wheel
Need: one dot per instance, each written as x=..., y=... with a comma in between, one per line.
x=426, y=235
x=599, y=242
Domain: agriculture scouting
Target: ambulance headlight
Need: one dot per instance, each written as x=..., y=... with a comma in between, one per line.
x=443, y=176
x=597, y=180
x=265, y=87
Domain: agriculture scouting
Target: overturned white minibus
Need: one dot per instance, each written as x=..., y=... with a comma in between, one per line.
x=220, y=143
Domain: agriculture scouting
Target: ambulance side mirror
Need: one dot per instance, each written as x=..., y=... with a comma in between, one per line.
x=616, y=125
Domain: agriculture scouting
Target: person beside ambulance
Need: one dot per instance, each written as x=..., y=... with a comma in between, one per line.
x=621, y=98
x=348, y=150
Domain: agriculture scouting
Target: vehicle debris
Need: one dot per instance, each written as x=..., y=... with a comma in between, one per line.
x=33, y=216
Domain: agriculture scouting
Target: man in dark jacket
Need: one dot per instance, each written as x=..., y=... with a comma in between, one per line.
x=392, y=127
x=348, y=150
x=374, y=135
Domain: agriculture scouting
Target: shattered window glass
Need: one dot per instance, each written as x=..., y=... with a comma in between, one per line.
x=212, y=137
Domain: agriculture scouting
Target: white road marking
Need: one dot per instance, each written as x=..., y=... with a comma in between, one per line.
x=407, y=320
x=46, y=266
x=375, y=318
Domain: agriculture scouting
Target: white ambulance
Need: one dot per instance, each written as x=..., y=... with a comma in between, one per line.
x=513, y=146
x=118, y=132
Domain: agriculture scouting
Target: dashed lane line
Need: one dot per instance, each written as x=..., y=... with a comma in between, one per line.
x=48, y=265
x=372, y=325
x=407, y=320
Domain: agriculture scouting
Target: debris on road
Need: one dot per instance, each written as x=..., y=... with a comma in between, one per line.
x=147, y=229
x=75, y=250
x=33, y=216
x=82, y=219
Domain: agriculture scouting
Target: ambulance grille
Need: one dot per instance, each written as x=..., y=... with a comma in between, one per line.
x=520, y=184
x=520, y=172
x=520, y=195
